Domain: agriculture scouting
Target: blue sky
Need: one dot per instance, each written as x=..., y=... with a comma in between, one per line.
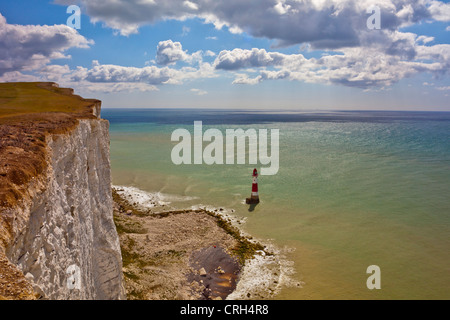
x=263, y=54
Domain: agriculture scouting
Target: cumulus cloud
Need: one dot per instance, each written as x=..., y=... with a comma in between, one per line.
x=113, y=73
x=425, y=39
x=54, y=72
x=16, y=76
x=209, y=53
x=324, y=24
x=115, y=78
x=360, y=58
x=380, y=67
x=30, y=47
x=116, y=87
x=245, y=79
x=240, y=58
x=440, y=11
x=169, y=52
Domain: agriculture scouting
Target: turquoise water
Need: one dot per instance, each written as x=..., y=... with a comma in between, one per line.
x=354, y=189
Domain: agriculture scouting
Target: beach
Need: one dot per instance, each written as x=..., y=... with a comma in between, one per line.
x=183, y=254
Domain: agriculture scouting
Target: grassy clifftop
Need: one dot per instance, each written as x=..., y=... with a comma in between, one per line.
x=28, y=113
x=24, y=98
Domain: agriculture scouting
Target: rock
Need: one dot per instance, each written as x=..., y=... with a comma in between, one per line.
x=29, y=276
x=220, y=270
x=202, y=272
x=129, y=212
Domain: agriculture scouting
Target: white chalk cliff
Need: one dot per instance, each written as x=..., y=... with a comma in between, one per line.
x=64, y=238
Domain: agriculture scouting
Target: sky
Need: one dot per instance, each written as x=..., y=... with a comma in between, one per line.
x=245, y=54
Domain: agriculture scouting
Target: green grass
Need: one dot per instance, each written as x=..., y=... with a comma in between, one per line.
x=124, y=226
x=34, y=97
x=245, y=249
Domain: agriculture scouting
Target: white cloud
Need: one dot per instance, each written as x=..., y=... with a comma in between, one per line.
x=425, y=39
x=209, y=53
x=380, y=67
x=360, y=57
x=190, y=5
x=242, y=58
x=199, y=92
x=16, y=76
x=114, y=87
x=244, y=79
x=115, y=78
x=440, y=11
x=281, y=8
x=54, y=72
x=113, y=73
x=169, y=52
x=324, y=24
x=30, y=47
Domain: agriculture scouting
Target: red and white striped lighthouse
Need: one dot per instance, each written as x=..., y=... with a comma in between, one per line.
x=255, y=196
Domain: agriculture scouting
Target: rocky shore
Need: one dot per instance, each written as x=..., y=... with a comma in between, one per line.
x=179, y=255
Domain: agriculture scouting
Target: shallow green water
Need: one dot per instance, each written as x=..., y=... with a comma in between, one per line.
x=350, y=193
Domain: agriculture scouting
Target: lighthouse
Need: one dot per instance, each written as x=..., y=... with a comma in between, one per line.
x=254, y=199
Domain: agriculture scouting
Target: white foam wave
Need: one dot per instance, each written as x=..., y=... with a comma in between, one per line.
x=146, y=200
x=264, y=276
x=226, y=214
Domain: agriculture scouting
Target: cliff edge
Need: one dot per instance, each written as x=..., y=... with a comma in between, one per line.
x=57, y=235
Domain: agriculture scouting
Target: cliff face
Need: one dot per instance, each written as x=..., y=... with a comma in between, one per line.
x=62, y=235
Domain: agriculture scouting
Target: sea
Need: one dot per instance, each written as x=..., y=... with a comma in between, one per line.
x=354, y=189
